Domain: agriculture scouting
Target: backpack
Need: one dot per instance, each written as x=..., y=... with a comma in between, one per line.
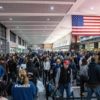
x=84, y=73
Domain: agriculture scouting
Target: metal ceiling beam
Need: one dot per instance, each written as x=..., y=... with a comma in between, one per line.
x=33, y=29
x=29, y=25
x=36, y=2
x=30, y=21
x=32, y=14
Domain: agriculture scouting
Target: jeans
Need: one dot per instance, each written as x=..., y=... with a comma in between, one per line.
x=92, y=90
x=67, y=87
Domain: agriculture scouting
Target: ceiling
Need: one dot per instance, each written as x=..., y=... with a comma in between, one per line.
x=34, y=20
x=87, y=7
x=38, y=21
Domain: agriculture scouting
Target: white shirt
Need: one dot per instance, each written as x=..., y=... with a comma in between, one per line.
x=46, y=65
x=2, y=98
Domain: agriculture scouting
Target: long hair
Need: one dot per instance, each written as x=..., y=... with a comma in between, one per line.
x=23, y=76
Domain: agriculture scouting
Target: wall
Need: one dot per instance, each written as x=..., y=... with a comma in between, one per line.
x=48, y=47
x=63, y=43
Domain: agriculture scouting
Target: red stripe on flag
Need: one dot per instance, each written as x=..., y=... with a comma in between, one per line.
x=87, y=31
x=84, y=33
x=78, y=34
x=92, y=22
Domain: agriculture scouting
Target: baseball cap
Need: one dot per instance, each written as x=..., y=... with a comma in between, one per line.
x=67, y=62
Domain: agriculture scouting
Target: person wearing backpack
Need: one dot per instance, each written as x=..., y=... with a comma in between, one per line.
x=83, y=75
x=63, y=79
x=93, y=84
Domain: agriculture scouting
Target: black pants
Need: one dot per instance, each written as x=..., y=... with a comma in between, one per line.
x=46, y=76
x=82, y=82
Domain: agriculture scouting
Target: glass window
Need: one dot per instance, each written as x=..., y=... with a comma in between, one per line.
x=12, y=36
x=23, y=42
x=19, y=40
x=95, y=44
x=2, y=31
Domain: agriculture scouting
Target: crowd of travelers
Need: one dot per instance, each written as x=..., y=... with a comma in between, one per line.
x=19, y=74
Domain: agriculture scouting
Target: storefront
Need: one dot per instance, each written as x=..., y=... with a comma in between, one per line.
x=13, y=47
x=99, y=45
x=20, y=49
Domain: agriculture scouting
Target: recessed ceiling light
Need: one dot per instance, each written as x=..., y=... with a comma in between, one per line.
x=92, y=8
x=10, y=19
x=52, y=7
x=48, y=19
x=1, y=7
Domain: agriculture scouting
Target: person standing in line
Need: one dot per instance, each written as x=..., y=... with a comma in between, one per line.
x=63, y=78
x=23, y=89
x=47, y=67
x=83, y=73
x=93, y=84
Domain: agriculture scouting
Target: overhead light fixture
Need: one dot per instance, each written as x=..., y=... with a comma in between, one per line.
x=1, y=7
x=52, y=8
x=48, y=19
x=10, y=19
x=92, y=8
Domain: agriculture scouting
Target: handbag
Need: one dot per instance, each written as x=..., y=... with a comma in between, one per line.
x=56, y=93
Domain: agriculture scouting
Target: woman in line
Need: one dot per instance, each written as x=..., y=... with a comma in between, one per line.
x=23, y=89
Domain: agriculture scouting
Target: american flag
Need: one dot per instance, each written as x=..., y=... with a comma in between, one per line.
x=85, y=25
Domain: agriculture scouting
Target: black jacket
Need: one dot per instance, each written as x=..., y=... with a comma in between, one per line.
x=98, y=71
x=94, y=74
x=65, y=75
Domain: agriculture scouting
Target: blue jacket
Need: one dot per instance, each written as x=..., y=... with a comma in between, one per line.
x=2, y=71
x=22, y=92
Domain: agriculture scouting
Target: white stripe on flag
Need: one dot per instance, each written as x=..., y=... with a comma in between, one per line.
x=91, y=18
x=90, y=30
x=91, y=24
x=91, y=21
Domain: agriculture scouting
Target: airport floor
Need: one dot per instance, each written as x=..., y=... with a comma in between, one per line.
x=41, y=96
